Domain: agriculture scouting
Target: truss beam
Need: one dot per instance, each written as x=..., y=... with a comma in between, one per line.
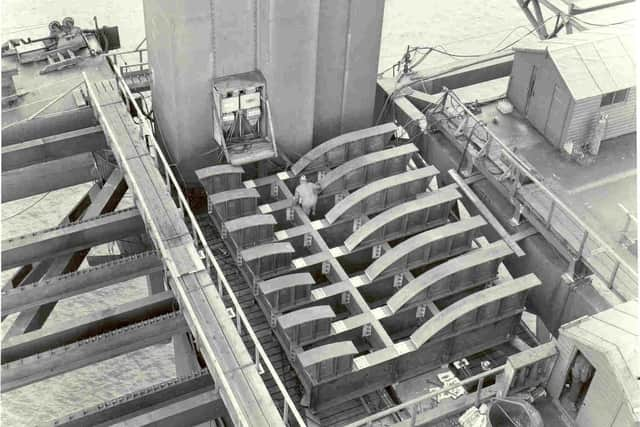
x=97, y=323
x=49, y=176
x=71, y=238
x=53, y=147
x=168, y=403
x=95, y=349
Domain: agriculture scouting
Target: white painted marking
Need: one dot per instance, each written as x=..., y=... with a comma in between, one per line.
x=281, y=235
x=360, y=362
x=299, y=263
x=250, y=183
x=381, y=312
x=318, y=294
x=337, y=327
x=319, y=224
x=404, y=347
x=265, y=209
x=604, y=181
x=283, y=175
x=360, y=280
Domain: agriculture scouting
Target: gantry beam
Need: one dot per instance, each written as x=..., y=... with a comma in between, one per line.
x=41, y=366
x=100, y=322
x=70, y=238
x=187, y=400
x=189, y=410
x=101, y=200
x=78, y=282
x=49, y=176
x=44, y=125
x=53, y=147
x=33, y=272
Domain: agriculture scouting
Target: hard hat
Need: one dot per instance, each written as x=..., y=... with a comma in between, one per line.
x=303, y=178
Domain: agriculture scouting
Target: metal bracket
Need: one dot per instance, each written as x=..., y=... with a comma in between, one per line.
x=398, y=280
x=326, y=268
x=308, y=239
x=345, y=298
x=289, y=214
x=376, y=251
x=421, y=312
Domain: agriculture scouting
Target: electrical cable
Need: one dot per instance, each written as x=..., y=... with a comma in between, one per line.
x=594, y=24
x=28, y=207
x=454, y=68
x=455, y=55
x=506, y=37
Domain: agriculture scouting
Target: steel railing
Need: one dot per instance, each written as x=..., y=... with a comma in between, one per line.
x=415, y=406
x=210, y=261
x=551, y=212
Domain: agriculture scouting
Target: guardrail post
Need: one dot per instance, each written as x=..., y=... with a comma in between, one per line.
x=414, y=414
x=625, y=229
x=479, y=390
x=583, y=243
x=548, y=221
x=285, y=412
x=219, y=284
x=613, y=274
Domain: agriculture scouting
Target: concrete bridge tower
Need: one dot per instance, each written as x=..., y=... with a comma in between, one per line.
x=319, y=60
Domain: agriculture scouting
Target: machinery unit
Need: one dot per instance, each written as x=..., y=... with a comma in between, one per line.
x=242, y=120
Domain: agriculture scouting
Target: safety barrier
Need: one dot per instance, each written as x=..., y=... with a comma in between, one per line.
x=210, y=262
x=550, y=213
x=415, y=406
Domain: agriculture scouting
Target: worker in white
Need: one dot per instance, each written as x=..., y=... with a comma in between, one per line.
x=307, y=195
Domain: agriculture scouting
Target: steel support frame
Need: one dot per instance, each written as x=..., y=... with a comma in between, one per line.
x=100, y=201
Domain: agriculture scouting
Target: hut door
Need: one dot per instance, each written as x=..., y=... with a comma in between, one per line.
x=557, y=116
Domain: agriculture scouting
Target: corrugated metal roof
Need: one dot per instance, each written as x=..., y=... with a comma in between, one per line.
x=593, y=62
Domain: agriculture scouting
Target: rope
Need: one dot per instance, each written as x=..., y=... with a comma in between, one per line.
x=34, y=115
x=27, y=208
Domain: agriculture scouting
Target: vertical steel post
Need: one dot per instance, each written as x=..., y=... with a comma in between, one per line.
x=479, y=390
x=548, y=221
x=613, y=274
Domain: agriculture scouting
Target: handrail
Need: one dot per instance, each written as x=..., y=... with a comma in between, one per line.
x=415, y=403
x=155, y=234
x=555, y=201
x=210, y=260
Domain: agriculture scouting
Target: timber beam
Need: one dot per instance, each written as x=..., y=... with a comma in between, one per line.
x=49, y=176
x=186, y=400
x=95, y=349
x=53, y=147
x=111, y=319
x=70, y=238
x=78, y=282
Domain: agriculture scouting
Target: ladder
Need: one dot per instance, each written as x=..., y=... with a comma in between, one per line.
x=57, y=61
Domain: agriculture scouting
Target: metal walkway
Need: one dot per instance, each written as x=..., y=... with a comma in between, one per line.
x=154, y=187
x=532, y=199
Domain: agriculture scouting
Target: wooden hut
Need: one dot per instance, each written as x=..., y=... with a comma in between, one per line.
x=577, y=90
x=609, y=396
